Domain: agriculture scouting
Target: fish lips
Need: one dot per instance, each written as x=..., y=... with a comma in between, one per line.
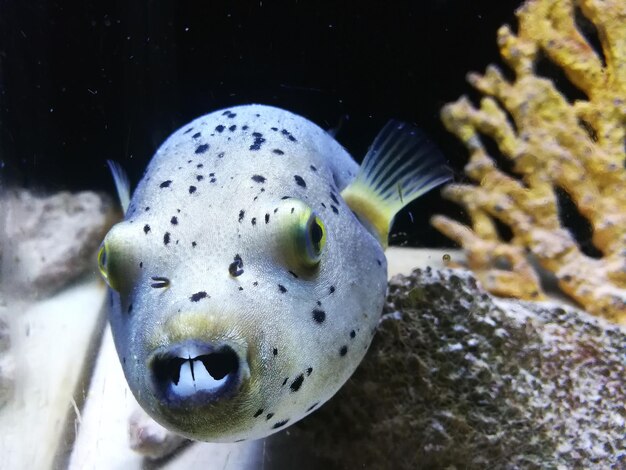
x=194, y=373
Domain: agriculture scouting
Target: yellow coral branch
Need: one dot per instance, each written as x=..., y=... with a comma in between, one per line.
x=551, y=143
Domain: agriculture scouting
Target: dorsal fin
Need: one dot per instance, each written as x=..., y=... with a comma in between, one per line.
x=401, y=165
x=121, y=183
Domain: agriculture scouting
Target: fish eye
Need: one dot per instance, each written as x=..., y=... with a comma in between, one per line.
x=102, y=262
x=313, y=239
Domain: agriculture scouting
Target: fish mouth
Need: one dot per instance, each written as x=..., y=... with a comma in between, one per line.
x=194, y=373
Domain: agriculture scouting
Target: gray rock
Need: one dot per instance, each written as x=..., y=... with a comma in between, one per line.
x=49, y=241
x=464, y=380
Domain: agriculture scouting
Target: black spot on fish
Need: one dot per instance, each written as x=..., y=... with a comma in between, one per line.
x=323, y=205
x=297, y=383
x=299, y=181
x=293, y=274
x=319, y=304
x=220, y=128
x=380, y=263
x=352, y=334
x=258, y=413
x=147, y=208
x=282, y=288
x=312, y=407
x=285, y=197
x=308, y=371
x=165, y=184
x=258, y=179
x=196, y=135
x=130, y=308
x=334, y=198
x=274, y=129
x=174, y=220
x=343, y=350
x=267, y=218
x=202, y=148
x=335, y=210
x=244, y=128
x=188, y=130
x=220, y=155
x=146, y=229
x=319, y=315
x=258, y=141
x=285, y=381
x=278, y=152
x=313, y=168
x=280, y=424
x=199, y=165
x=166, y=238
x=269, y=416
x=331, y=289
x=199, y=177
x=287, y=134
x=193, y=244
x=212, y=180
x=192, y=189
x=255, y=283
x=141, y=264
x=232, y=128
x=275, y=352
x=253, y=220
x=198, y=296
x=236, y=267
x=240, y=288
x=242, y=213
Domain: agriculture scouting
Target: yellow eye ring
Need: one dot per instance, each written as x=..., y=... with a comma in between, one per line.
x=102, y=262
x=312, y=239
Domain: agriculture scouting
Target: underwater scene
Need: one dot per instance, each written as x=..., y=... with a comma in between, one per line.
x=314, y=235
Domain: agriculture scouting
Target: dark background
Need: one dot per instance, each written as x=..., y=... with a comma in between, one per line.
x=85, y=81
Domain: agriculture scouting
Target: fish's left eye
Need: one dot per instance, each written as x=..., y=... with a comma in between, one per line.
x=314, y=238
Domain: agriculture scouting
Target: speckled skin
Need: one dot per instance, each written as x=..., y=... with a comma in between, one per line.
x=214, y=190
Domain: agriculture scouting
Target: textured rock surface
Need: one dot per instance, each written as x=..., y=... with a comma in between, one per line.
x=463, y=380
x=49, y=241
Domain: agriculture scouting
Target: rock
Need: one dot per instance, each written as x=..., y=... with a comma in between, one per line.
x=150, y=438
x=49, y=241
x=464, y=380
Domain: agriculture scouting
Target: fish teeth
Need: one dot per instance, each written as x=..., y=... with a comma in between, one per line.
x=194, y=378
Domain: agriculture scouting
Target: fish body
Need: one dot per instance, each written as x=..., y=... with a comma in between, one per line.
x=244, y=289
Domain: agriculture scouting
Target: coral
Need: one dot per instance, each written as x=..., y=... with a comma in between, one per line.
x=466, y=380
x=551, y=144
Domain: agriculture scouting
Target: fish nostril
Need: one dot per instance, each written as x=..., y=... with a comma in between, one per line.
x=196, y=372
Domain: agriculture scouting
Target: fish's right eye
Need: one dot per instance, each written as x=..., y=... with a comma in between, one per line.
x=102, y=262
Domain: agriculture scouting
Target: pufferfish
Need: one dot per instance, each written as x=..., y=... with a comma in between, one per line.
x=248, y=276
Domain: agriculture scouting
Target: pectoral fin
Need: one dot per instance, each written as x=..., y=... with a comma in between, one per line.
x=121, y=183
x=400, y=166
